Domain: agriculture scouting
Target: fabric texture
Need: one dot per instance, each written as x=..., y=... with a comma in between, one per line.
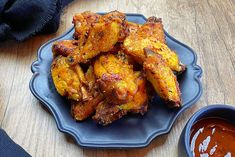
x=9, y=148
x=21, y=19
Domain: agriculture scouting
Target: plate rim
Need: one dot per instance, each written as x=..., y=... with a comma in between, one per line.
x=65, y=129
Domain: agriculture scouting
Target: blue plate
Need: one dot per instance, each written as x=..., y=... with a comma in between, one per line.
x=130, y=131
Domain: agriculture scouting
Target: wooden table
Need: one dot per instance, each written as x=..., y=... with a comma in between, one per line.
x=208, y=26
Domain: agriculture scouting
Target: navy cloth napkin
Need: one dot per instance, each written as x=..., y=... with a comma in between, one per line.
x=21, y=19
x=9, y=148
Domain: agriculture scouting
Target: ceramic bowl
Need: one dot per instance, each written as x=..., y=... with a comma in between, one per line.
x=221, y=111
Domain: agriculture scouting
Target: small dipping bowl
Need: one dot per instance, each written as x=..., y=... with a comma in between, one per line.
x=212, y=111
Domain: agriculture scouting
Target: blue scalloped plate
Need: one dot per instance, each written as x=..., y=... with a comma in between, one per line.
x=130, y=131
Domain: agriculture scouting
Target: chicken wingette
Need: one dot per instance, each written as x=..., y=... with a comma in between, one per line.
x=69, y=80
x=81, y=110
x=94, y=34
x=162, y=78
x=148, y=36
x=106, y=112
x=116, y=78
x=102, y=37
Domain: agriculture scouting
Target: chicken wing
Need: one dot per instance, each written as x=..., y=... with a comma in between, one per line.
x=151, y=35
x=102, y=37
x=162, y=78
x=107, y=112
x=116, y=78
x=69, y=80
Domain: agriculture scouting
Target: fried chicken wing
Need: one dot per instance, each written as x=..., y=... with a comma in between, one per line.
x=102, y=37
x=116, y=78
x=69, y=80
x=162, y=78
x=151, y=35
x=107, y=112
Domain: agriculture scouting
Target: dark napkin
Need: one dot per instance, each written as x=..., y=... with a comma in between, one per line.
x=9, y=148
x=20, y=19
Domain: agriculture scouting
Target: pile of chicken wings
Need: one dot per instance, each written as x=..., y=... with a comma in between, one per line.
x=112, y=67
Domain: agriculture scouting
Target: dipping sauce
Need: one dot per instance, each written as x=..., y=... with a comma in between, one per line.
x=213, y=137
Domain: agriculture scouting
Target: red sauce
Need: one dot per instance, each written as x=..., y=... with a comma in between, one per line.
x=213, y=137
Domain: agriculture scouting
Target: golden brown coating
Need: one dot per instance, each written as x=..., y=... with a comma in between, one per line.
x=134, y=46
x=81, y=110
x=69, y=80
x=133, y=27
x=116, y=78
x=139, y=104
x=65, y=47
x=107, y=112
x=82, y=24
x=151, y=34
x=162, y=78
x=152, y=28
x=102, y=37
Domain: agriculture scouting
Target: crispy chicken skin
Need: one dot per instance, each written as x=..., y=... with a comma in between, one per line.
x=116, y=78
x=162, y=78
x=107, y=112
x=133, y=27
x=69, y=80
x=151, y=35
x=102, y=37
x=81, y=110
x=65, y=47
x=82, y=24
x=135, y=45
x=152, y=28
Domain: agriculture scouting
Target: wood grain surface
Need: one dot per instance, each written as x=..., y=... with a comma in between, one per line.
x=208, y=26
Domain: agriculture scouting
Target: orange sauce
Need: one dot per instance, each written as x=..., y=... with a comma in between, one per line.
x=213, y=137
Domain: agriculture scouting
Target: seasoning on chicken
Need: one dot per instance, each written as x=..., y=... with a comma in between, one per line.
x=81, y=110
x=65, y=47
x=69, y=80
x=151, y=35
x=82, y=24
x=116, y=78
x=102, y=37
x=162, y=78
x=107, y=112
